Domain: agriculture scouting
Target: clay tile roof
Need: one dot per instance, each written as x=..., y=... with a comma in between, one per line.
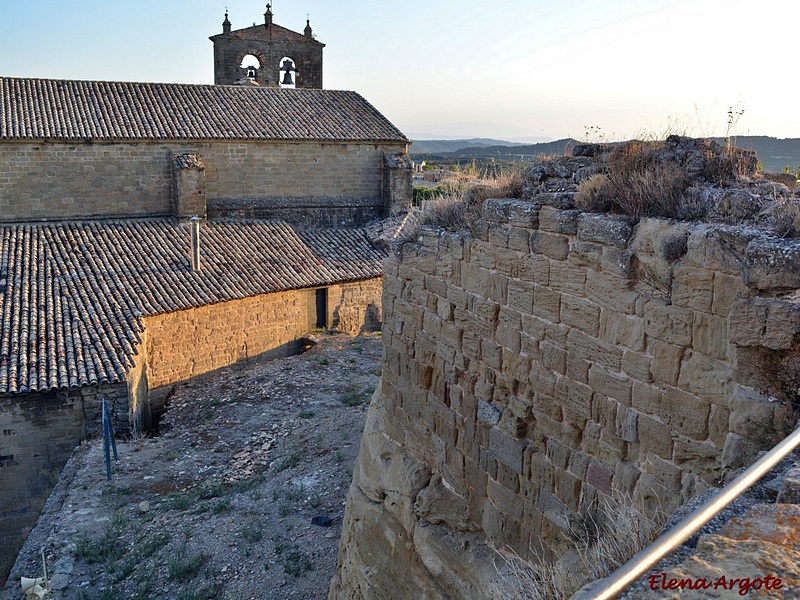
x=110, y=110
x=72, y=295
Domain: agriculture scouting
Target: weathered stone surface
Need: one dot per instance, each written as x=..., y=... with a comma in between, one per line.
x=790, y=488
x=670, y=324
x=772, y=264
x=769, y=322
x=558, y=220
x=604, y=229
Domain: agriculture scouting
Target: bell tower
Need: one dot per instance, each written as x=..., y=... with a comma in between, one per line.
x=267, y=55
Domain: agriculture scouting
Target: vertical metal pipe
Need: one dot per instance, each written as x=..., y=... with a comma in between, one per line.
x=194, y=230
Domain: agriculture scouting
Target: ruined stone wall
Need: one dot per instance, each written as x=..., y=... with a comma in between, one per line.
x=551, y=359
x=52, y=180
x=38, y=432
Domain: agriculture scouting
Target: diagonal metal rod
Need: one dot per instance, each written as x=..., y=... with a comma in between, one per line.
x=617, y=582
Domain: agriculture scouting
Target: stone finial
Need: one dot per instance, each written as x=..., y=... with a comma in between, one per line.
x=226, y=24
x=268, y=16
x=307, y=31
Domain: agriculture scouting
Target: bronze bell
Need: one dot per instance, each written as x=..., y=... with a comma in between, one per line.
x=287, y=78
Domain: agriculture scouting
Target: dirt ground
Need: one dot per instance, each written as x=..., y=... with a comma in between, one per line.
x=241, y=495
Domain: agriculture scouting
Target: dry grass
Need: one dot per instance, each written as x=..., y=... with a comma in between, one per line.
x=638, y=182
x=456, y=208
x=604, y=541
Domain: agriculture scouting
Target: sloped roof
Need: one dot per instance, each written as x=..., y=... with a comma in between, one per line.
x=111, y=110
x=72, y=295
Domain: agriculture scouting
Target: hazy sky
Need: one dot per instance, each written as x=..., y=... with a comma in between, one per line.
x=503, y=69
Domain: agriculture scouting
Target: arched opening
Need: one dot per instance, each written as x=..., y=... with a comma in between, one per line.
x=288, y=73
x=251, y=66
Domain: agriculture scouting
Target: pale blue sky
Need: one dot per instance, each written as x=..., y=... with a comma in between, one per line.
x=504, y=69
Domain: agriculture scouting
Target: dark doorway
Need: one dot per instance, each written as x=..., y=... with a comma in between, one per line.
x=322, y=308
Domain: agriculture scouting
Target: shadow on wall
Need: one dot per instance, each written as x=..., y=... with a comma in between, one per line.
x=348, y=317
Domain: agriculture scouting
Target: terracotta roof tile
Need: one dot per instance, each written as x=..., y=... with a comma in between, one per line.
x=72, y=294
x=109, y=110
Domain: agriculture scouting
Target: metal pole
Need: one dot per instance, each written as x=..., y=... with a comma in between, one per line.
x=106, y=442
x=617, y=582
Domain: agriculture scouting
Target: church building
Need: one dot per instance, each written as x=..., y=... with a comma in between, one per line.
x=154, y=232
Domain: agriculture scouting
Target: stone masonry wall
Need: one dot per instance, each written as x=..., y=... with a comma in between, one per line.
x=38, y=432
x=189, y=343
x=47, y=180
x=548, y=360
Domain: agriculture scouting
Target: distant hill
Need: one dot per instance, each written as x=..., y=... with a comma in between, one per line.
x=773, y=153
x=446, y=146
x=480, y=149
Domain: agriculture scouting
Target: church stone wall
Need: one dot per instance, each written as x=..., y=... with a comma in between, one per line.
x=59, y=180
x=549, y=360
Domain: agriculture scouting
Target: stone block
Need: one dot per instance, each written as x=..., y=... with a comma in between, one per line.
x=575, y=398
x=553, y=357
x=580, y=313
x=586, y=254
x=627, y=424
x=626, y=474
x=718, y=424
x=557, y=453
x=726, y=289
x=752, y=415
x=546, y=304
x=520, y=296
x=604, y=412
x=488, y=413
x=554, y=510
x=567, y=488
x=578, y=368
x=699, y=457
x=579, y=463
x=710, y=335
x=692, y=288
x=604, y=229
x=668, y=323
x=709, y=379
x=769, y=322
x=519, y=239
x=614, y=385
x=666, y=364
x=655, y=436
x=550, y=245
x=685, y=412
x=593, y=350
x=599, y=477
x=637, y=366
x=506, y=449
x=664, y=471
x=737, y=452
x=567, y=278
x=622, y=330
x=610, y=292
x=719, y=247
x=534, y=268
x=772, y=264
x=558, y=220
x=618, y=263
